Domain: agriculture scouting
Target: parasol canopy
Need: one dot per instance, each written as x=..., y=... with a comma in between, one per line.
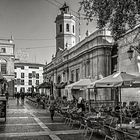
x=81, y=84
x=118, y=79
x=44, y=85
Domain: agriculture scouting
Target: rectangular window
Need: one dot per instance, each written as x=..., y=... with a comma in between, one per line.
x=30, y=82
x=37, y=82
x=22, y=75
x=3, y=50
x=67, y=28
x=15, y=75
x=77, y=74
x=3, y=68
x=33, y=74
x=30, y=75
x=15, y=81
x=31, y=67
x=72, y=75
x=37, y=76
x=22, y=82
x=22, y=67
x=29, y=89
x=60, y=28
x=15, y=89
x=18, y=82
x=73, y=28
x=22, y=89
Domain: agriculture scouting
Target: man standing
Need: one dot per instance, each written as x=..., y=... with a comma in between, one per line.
x=22, y=95
x=52, y=106
x=7, y=96
x=18, y=96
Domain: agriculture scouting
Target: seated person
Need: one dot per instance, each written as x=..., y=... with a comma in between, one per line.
x=117, y=108
x=80, y=105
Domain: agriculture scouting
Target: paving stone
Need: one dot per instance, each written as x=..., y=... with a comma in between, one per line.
x=78, y=137
x=20, y=120
x=46, y=113
x=15, y=107
x=29, y=123
x=48, y=120
x=27, y=138
x=15, y=114
x=20, y=128
x=59, y=127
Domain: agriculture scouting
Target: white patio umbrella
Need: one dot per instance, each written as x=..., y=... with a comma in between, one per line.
x=119, y=79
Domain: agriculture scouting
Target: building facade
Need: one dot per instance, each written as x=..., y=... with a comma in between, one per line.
x=130, y=65
x=7, y=58
x=90, y=58
x=27, y=75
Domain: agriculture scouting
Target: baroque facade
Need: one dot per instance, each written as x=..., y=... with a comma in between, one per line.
x=90, y=58
x=7, y=58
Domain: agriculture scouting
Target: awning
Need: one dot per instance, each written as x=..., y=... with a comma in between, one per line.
x=81, y=84
x=61, y=85
x=44, y=85
x=119, y=79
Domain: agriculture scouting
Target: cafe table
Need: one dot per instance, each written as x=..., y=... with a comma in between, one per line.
x=96, y=117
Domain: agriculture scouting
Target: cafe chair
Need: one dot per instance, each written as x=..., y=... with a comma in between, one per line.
x=119, y=135
x=92, y=127
x=131, y=134
x=108, y=133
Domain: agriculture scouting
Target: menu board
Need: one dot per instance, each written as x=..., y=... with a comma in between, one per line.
x=2, y=109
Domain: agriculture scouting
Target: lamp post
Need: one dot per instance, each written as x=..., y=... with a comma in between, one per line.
x=131, y=50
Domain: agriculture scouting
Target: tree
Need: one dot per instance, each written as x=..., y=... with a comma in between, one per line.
x=117, y=15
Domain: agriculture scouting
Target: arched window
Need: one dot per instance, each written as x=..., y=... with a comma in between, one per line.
x=59, y=79
x=3, y=66
x=67, y=28
x=73, y=29
x=60, y=28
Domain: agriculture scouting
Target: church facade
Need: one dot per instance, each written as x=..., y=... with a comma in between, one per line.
x=90, y=58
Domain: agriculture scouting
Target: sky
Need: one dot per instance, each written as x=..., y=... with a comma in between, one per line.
x=31, y=23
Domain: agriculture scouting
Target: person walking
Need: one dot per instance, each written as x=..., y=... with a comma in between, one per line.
x=7, y=96
x=22, y=97
x=52, y=107
x=18, y=96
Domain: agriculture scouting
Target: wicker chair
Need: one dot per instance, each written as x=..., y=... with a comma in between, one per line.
x=121, y=135
x=108, y=133
x=92, y=127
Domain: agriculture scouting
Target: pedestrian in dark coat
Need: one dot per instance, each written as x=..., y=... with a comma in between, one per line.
x=7, y=96
x=52, y=107
x=18, y=96
x=22, y=95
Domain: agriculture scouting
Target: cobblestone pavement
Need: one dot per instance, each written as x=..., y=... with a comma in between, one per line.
x=28, y=123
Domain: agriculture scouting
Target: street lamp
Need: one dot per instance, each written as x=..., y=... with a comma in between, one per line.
x=131, y=50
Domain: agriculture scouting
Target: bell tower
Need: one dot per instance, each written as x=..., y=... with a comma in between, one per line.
x=65, y=29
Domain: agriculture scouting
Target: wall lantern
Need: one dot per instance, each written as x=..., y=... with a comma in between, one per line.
x=131, y=50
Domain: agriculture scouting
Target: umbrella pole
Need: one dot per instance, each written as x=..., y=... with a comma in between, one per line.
x=89, y=100
x=120, y=109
